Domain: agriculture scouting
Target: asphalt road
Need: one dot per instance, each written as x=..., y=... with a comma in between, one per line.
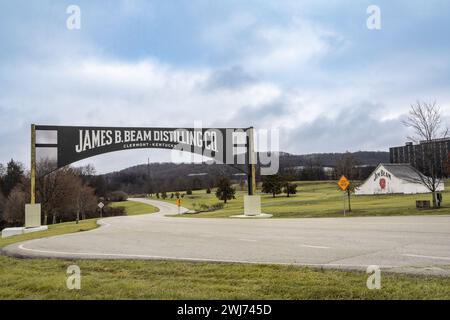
x=412, y=244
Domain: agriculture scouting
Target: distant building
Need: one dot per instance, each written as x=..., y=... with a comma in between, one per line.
x=419, y=155
x=394, y=178
x=197, y=174
x=325, y=169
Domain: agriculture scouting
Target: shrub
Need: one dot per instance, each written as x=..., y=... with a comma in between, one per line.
x=117, y=196
x=189, y=192
x=208, y=191
x=217, y=206
x=290, y=188
x=139, y=195
x=113, y=211
x=202, y=207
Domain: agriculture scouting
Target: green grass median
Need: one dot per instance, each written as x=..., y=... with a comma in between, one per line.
x=53, y=230
x=317, y=200
x=46, y=279
x=134, y=208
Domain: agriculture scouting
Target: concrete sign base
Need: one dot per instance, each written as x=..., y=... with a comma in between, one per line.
x=259, y=216
x=252, y=208
x=9, y=232
x=32, y=215
x=252, y=205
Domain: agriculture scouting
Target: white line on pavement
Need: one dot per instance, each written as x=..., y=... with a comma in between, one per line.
x=142, y=256
x=425, y=257
x=315, y=247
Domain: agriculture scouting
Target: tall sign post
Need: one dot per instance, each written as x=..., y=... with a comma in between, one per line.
x=100, y=206
x=252, y=201
x=33, y=209
x=343, y=183
x=251, y=162
x=178, y=205
x=33, y=164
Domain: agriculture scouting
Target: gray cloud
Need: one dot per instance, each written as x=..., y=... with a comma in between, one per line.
x=52, y=76
x=262, y=116
x=359, y=127
x=230, y=78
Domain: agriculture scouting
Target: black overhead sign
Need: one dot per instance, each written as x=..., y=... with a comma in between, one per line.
x=65, y=145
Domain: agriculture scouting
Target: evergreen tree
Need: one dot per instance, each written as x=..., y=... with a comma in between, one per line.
x=13, y=176
x=290, y=188
x=224, y=190
x=272, y=184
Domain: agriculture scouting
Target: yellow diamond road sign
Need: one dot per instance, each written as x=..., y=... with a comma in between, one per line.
x=343, y=183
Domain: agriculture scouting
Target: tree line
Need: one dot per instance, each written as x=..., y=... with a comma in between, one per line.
x=68, y=194
x=172, y=177
x=73, y=193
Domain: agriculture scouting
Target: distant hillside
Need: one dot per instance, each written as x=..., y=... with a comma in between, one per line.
x=158, y=177
x=371, y=158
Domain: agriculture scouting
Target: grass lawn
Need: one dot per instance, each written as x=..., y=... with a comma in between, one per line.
x=317, y=199
x=133, y=208
x=46, y=279
x=53, y=230
x=131, y=279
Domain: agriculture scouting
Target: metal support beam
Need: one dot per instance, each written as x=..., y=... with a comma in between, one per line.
x=33, y=164
x=251, y=157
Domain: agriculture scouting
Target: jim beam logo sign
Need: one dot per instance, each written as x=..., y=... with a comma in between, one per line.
x=141, y=138
x=382, y=175
x=77, y=143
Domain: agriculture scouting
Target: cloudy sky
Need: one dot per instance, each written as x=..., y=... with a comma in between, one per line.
x=311, y=69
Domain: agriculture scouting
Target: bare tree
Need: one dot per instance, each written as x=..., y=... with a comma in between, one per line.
x=86, y=201
x=2, y=205
x=15, y=206
x=426, y=121
x=58, y=192
x=346, y=166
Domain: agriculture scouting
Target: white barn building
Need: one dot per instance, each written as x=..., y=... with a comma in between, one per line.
x=394, y=178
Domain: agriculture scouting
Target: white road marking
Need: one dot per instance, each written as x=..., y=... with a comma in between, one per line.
x=148, y=255
x=104, y=224
x=143, y=256
x=314, y=247
x=425, y=257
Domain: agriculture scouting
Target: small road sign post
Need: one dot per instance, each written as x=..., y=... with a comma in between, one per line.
x=343, y=198
x=178, y=205
x=101, y=205
x=343, y=183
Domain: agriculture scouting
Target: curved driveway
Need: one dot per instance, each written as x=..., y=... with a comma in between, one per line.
x=415, y=244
